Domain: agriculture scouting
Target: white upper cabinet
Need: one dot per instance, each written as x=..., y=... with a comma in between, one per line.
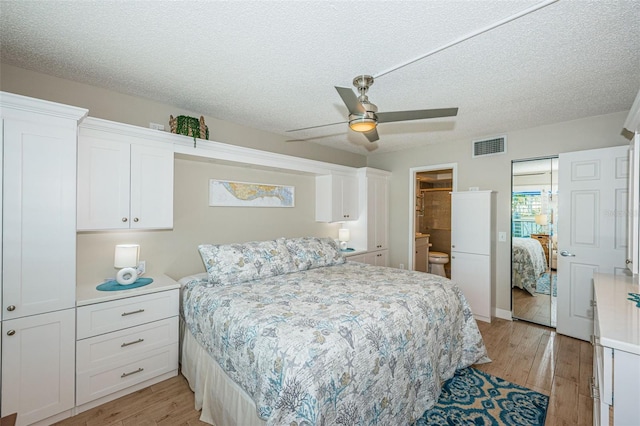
x=123, y=184
x=336, y=198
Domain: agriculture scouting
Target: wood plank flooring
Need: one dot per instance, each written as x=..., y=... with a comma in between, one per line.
x=523, y=353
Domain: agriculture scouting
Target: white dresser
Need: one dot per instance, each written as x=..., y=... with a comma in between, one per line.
x=616, y=343
x=126, y=340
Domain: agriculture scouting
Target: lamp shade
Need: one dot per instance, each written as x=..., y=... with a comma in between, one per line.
x=343, y=234
x=541, y=219
x=126, y=255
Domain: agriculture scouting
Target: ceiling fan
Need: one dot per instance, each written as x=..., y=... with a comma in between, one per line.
x=364, y=116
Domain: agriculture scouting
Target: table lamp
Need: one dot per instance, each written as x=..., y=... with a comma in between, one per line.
x=343, y=237
x=126, y=258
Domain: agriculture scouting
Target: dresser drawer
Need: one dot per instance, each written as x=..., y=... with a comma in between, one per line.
x=101, y=318
x=115, y=348
x=92, y=385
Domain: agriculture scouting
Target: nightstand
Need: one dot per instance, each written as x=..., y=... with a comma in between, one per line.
x=126, y=340
x=544, y=240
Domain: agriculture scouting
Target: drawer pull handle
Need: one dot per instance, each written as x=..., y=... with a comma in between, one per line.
x=131, y=343
x=139, y=370
x=124, y=314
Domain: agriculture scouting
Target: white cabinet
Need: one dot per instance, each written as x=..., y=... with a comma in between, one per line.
x=473, y=248
x=375, y=258
x=336, y=198
x=123, y=183
x=38, y=362
x=371, y=230
x=38, y=257
x=615, y=385
x=421, y=262
x=126, y=343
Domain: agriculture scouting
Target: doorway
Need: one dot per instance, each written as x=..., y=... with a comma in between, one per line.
x=430, y=219
x=534, y=213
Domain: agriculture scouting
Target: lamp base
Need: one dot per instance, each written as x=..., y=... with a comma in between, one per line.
x=343, y=245
x=126, y=276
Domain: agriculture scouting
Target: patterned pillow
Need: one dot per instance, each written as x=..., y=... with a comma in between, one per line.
x=237, y=263
x=313, y=252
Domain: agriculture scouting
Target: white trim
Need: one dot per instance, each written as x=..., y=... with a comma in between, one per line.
x=502, y=314
x=632, y=123
x=412, y=200
x=219, y=151
x=11, y=103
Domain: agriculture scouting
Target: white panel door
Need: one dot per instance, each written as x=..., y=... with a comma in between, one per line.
x=151, y=187
x=592, y=230
x=39, y=221
x=36, y=382
x=472, y=274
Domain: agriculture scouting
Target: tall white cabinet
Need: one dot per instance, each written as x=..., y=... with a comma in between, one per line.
x=38, y=258
x=473, y=248
x=371, y=231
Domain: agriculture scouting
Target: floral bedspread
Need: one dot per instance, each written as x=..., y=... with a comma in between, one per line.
x=529, y=262
x=349, y=344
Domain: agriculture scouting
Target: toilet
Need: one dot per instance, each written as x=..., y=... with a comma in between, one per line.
x=437, y=260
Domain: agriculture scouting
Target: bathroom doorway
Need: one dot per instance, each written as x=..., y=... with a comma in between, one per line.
x=430, y=236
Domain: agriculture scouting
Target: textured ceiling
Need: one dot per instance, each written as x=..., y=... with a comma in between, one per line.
x=274, y=64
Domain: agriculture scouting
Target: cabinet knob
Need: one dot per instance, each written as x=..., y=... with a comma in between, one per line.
x=453, y=246
x=11, y=308
x=135, y=219
x=11, y=332
x=628, y=261
x=124, y=219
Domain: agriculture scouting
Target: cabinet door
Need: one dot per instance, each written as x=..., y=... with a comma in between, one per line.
x=103, y=183
x=151, y=187
x=471, y=222
x=382, y=258
x=378, y=211
x=39, y=204
x=349, y=198
x=472, y=274
x=38, y=359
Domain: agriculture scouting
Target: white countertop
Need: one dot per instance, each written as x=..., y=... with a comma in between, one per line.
x=88, y=294
x=618, y=318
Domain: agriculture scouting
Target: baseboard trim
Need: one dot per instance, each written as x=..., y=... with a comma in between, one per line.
x=502, y=314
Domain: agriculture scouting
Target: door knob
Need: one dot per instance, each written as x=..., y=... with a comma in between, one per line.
x=567, y=254
x=11, y=308
x=11, y=332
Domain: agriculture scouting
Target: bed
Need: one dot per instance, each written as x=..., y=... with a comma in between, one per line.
x=289, y=332
x=528, y=263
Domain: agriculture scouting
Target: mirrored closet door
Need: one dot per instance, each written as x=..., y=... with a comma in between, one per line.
x=534, y=230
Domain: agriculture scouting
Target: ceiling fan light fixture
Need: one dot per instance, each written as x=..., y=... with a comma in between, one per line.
x=362, y=123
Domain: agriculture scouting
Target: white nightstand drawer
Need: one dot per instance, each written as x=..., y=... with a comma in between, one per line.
x=106, y=317
x=118, y=347
x=96, y=384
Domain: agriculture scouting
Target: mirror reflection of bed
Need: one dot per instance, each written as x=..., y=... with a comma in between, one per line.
x=534, y=226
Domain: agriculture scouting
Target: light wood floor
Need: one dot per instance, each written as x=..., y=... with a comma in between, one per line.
x=539, y=308
x=525, y=354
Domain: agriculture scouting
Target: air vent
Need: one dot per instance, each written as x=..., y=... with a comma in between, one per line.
x=492, y=146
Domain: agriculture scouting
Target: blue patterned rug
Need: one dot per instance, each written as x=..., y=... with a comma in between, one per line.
x=473, y=397
x=542, y=286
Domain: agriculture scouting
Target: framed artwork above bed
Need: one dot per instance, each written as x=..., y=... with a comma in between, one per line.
x=224, y=193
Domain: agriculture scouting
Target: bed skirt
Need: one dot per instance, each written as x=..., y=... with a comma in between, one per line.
x=222, y=401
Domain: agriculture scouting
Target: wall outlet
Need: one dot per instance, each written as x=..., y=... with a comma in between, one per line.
x=156, y=126
x=142, y=267
x=502, y=237
x=402, y=266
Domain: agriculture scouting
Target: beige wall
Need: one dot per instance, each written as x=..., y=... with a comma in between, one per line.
x=492, y=172
x=175, y=252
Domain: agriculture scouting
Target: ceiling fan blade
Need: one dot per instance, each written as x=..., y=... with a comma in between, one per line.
x=372, y=135
x=350, y=100
x=419, y=114
x=315, y=127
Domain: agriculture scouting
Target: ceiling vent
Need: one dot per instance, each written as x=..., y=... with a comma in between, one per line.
x=492, y=146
